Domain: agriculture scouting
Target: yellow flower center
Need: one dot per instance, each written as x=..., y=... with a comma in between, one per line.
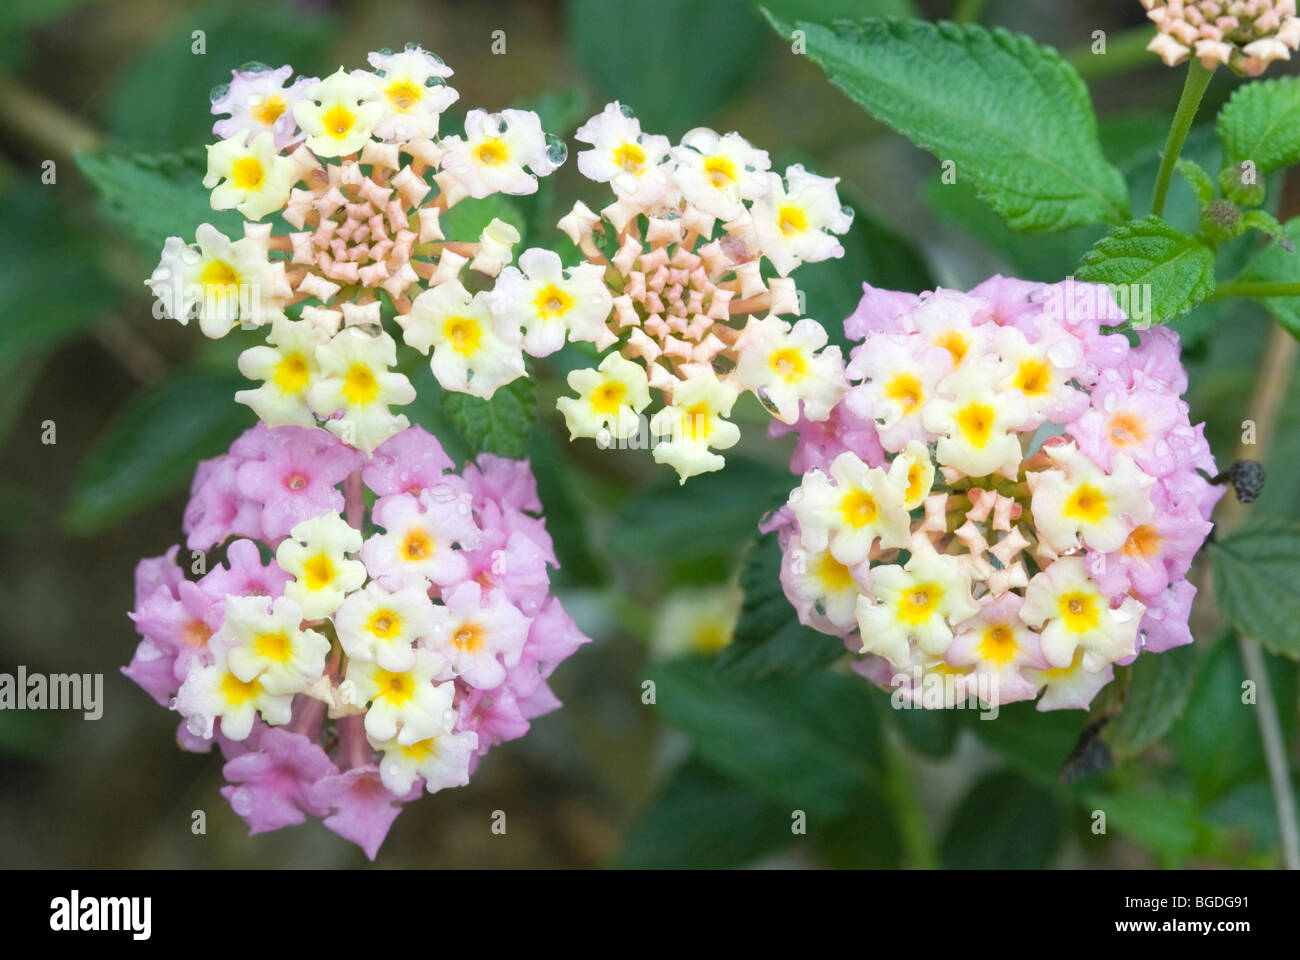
x=719, y=170
x=403, y=95
x=318, y=572
x=998, y=644
x=915, y=476
x=218, y=275
x=384, y=624
x=273, y=646
x=236, y=692
x=463, y=334
x=396, y=688
x=696, y=422
x=1127, y=429
x=551, y=301
x=1079, y=611
x=469, y=637
x=955, y=343
x=360, y=385
x=858, y=508
x=269, y=110
x=1087, y=504
x=419, y=751
x=492, y=153
x=789, y=364
x=976, y=423
x=791, y=220
x=630, y=158
x=292, y=373
x=338, y=121
x=1033, y=378
x=833, y=574
x=247, y=173
x=608, y=397
x=905, y=390
x=918, y=603
x=1144, y=541
x=418, y=545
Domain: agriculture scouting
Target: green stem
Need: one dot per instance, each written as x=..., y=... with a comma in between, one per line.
x=1254, y=288
x=1125, y=51
x=1270, y=733
x=1198, y=78
x=969, y=11
x=901, y=792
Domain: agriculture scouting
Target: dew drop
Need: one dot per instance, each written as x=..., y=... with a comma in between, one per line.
x=254, y=66
x=848, y=212
x=385, y=51
x=411, y=46
x=435, y=82
x=557, y=151
x=627, y=111
x=219, y=91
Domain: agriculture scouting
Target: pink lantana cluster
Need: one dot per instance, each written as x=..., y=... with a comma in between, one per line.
x=1006, y=502
x=345, y=657
x=680, y=254
x=356, y=167
x=1244, y=35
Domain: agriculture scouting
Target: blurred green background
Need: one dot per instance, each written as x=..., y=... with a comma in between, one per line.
x=608, y=780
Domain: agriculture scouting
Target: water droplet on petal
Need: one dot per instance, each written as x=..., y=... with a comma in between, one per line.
x=219, y=91
x=557, y=151
x=435, y=82
x=627, y=111
x=411, y=45
x=385, y=51
x=848, y=212
x=254, y=66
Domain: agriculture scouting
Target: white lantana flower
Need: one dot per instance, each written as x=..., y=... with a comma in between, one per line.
x=1071, y=614
x=442, y=760
x=1078, y=500
x=497, y=153
x=338, y=115
x=976, y=427
x=221, y=281
x=792, y=219
x=862, y=504
x=539, y=297
x=621, y=153
x=266, y=642
x=381, y=626
x=783, y=363
x=315, y=555
x=404, y=704
x=356, y=378
x=716, y=173
x=920, y=600
x=473, y=351
x=287, y=366
x=412, y=103
x=248, y=175
x=693, y=423
x=211, y=692
x=609, y=399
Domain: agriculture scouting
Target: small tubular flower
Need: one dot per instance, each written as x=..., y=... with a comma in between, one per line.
x=435, y=661
x=1007, y=500
x=1244, y=35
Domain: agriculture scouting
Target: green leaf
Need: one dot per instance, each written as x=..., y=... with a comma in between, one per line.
x=1159, y=685
x=703, y=820
x=714, y=515
x=500, y=425
x=566, y=514
x=1256, y=569
x=1179, y=269
x=810, y=742
x=769, y=638
x=1005, y=822
x=824, y=11
x=156, y=196
x=466, y=220
x=1168, y=823
x=673, y=61
x=865, y=838
x=51, y=287
x=1261, y=123
x=162, y=97
x=1013, y=117
x=1034, y=743
x=150, y=447
x=1276, y=264
x=931, y=732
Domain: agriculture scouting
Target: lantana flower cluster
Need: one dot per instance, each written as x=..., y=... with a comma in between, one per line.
x=685, y=254
x=347, y=656
x=355, y=166
x=1244, y=35
x=1006, y=502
